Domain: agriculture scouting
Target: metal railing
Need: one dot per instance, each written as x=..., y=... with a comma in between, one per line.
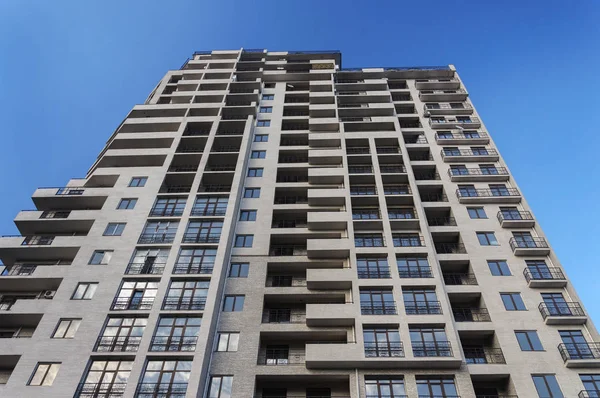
x=589, y=394
x=287, y=250
x=202, y=211
x=450, y=248
x=459, y=278
x=578, y=351
x=145, y=269
x=70, y=191
x=290, y=142
x=461, y=136
x=175, y=189
x=285, y=281
x=283, y=315
x=292, y=159
x=514, y=215
x=392, y=169
x=214, y=188
x=423, y=307
x=396, y=190
x=202, y=238
x=468, y=152
x=192, y=269
x=471, y=315
x=184, y=303
x=355, y=119
x=225, y=148
x=441, y=222
x=281, y=357
x=117, y=344
x=38, y=240
x=366, y=214
x=55, y=214
x=129, y=303
x=220, y=167
x=188, y=149
x=166, y=212
x=528, y=243
x=363, y=190
x=544, y=274
x=195, y=133
x=290, y=200
x=561, y=309
x=496, y=171
x=457, y=91
x=401, y=214
x=166, y=237
x=390, y=349
x=173, y=343
x=433, y=197
x=19, y=270
x=100, y=390
x=373, y=273
x=400, y=240
x=161, y=390
x=291, y=178
x=229, y=132
x=483, y=355
x=432, y=349
x=415, y=272
x=360, y=169
x=357, y=150
x=298, y=223
x=378, y=308
x=486, y=193
x=434, y=175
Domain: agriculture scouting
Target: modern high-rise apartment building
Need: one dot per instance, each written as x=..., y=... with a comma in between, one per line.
x=272, y=225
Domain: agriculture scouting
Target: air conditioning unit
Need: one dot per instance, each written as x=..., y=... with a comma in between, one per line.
x=49, y=294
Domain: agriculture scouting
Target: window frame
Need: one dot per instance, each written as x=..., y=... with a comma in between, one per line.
x=268, y=97
x=218, y=381
x=243, y=238
x=261, y=138
x=258, y=172
x=254, y=193
x=85, y=292
x=532, y=344
x=117, y=229
x=43, y=381
x=484, y=238
x=234, y=300
x=129, y=203
x=248, y=215
x=475, y=213
x=499, y=271
x=515, y=304
x=138, y=180
x=238, y=270
x=553, y=394
x=263, y=123
x=67, y=329
x=265, y=109
x=258, y=154
x=229, y=345
x=103, y=260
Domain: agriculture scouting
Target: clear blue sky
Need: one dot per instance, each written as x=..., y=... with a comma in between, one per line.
x=71, y=70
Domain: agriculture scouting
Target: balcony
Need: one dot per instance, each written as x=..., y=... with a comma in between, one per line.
x=287, y=250
x=457, y=95
x=441, y=122
x=566, y=313
x=206, y=238
x=432, y=349
x=285, y=281
x=437, y=84
x=483, y=355
x=281, y=357
x=325, y=156
x=329, y=278
x=485, y=195
x=423, y=307
x=173, y=343
x=326, y=197
x=515, y=219
x=162, y=390
x=389, y=350
x=496, y=174
x=460, y=138
x=330, y=220
x=469, y=155
x=450, y=248
x=378, y=308
x=325, y=175
x=166, y=237
x=96, y=390
x=131, y=304
x=70, y=198
x=330, y=314
x=441, y=221
x=457, y=279
x=454, y=108
x=580, y=355
x=471, y=315
x=184, y=303
x=283, y=316
x=117, y=344
x=328, y=248
x=175, y=189
x=529, y=246
x=545, y=277
x=145, y=268
x=192, y=268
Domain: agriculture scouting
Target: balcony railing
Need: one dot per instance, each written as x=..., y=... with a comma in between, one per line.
x=281, y=358
x=408, y=241
x=215, y=188
x=290, y=200
x=220, y=167
x=166, y=237
x=441, y=222
x=192, y=269
x=173, y=343
x=461, y=136
x=129, y=303
x=360, y=169
x=299, y=223
x=579, y=351
x=497, y=171
x=484, y=355
x=38, y=240
x=287, y=250
x=283, y=315
x=207, y=238
x=357, y=150
x=450, y=248
x=561, y=309
x=469, y=152
x=514, y=215
x=202, y=211
x=161, y=390
x=528, y=243
x=384, y=350
x=285, y=281
x=373, y=273
x=544, y=274
x=69, y=191
x=182, y=168
x=292, y=178
x=422, y=307
x=184, y=303
x=589, y=394
x=471, y=315
x=145, y=269
x=415, y=272
x=100, y=390
x=19, y=270
x=387, y=149
x=433, y=197
x=380, y=308
x=434, y=175
x=175, y=189
x=55, y=214
x=166, y=212
x=459, y=279
x=117, y=344
x=432, y=349
x=486, y=193
x=392, y=169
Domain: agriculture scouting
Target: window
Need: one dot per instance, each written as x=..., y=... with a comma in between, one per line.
x=382, y=342
x=499, y=267
x=267, y=85
x=44, y=374
x=114, y=229
x=233, y=303
x=413, y=267
x=195, y=261
x=488, y=169
x=499, y=190
x=220, y=386
x=556, y=305
x=429, y=342
x=85, y=291
x=165, y=378
x=210, y=206
x=266, y=109
x=268, y=97
x=258, y=154
x=122, y=334
x=186, y=295
x=419, y=301
x=591, y=383
x=176, y=333
x=203, y=231
x=239, y=270
x=135, y=295
x=487, y=239
x=451, y=151
x=168, y=207
x=255, y=172
x=66, y=328
x=438, y=387
x=513, y=302
x=407, y=240
x=263, y=123
x=248, y=215
x=261, y=138
x=138, y=181
x=547, y=386
x=476, y=212
x=148, y=261
x=377, y=302
x=127, y=204
x=373, y=267
x=243, y=241
x=252, y=193
x=538, y=269
x=368, y=240
x=529, y=340
x=471, y=134
x=228, y=342
x=101, y=257
x=105, y=378
x=479, y=150
x=385, y=387
x=467, y=190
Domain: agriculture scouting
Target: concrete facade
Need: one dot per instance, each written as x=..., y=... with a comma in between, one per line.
x=338, y=204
